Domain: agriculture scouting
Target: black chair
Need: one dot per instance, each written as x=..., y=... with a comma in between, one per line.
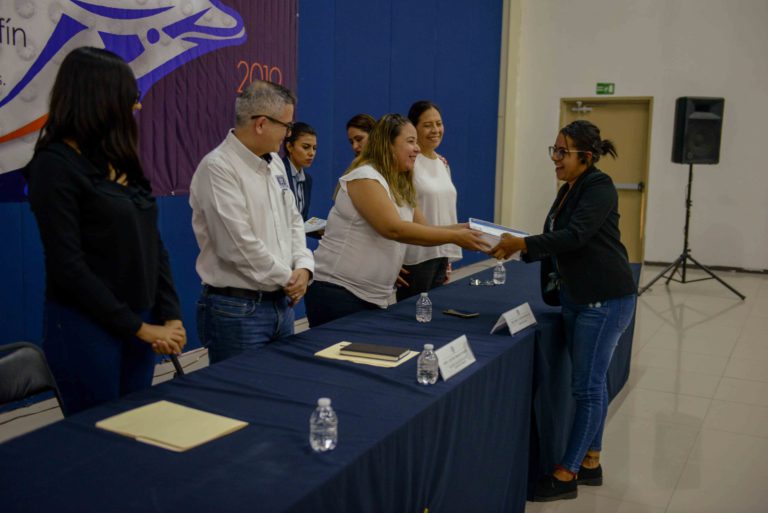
x=24, y=373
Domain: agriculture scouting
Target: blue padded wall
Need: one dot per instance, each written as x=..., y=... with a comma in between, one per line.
x=379, y=57
x=354, y=56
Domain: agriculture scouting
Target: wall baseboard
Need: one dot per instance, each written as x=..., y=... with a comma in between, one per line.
x=716, y=268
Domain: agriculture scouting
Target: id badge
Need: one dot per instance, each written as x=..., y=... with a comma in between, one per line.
x=282, y=182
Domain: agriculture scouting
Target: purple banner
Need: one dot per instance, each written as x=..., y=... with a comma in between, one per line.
x=187, y=113
x=190, y=57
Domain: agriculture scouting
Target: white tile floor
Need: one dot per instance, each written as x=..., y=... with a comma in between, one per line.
x=689, y=433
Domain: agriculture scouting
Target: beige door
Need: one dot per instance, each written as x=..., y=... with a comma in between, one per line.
x=626, y=122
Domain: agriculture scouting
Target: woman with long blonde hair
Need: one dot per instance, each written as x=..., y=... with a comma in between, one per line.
x=375, y=214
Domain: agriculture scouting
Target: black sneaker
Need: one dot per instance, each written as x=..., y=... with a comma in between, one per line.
x=549, y=488
x=590, y=476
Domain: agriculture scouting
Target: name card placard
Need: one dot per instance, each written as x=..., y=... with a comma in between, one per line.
x=516, y=319
x=454, y=357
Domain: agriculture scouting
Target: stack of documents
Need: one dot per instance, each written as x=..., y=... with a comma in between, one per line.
x=492, y=233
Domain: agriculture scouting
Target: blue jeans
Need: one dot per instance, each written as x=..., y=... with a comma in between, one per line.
x=228, y=325
x=592, y=332
x=92, y=366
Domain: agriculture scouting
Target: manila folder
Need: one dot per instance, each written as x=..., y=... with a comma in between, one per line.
x=170, y=425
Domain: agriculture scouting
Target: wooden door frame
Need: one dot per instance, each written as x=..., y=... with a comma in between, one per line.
x=646, y=100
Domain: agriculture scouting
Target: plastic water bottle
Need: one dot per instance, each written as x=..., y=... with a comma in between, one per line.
x=424, y=308
x=323, y=427
x=426, y=366
x=499, y=273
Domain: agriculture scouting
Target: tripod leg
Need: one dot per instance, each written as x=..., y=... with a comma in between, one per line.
x=713, y=275
x=676, y=264
x=660, y=275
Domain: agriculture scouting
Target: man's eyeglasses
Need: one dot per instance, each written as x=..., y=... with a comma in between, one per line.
x=288, y=126
x=559, y=153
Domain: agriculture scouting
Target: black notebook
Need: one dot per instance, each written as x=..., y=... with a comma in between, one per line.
x=376, y=351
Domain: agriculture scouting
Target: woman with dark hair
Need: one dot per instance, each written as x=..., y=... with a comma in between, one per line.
x=375, y=211
x=300, y=151
x=110, y=299
x=429, y=267
x=358, y=128
x=584, y=268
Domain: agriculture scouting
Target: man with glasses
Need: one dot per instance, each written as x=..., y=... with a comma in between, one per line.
x=254, y=262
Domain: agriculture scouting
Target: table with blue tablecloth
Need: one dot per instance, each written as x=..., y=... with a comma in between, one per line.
x=465, y=445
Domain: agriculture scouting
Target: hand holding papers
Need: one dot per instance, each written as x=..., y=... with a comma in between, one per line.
x=492, y=233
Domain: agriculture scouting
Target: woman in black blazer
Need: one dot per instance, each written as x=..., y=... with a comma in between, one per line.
x=110, y=302
x=584, y=268
x=300, y=151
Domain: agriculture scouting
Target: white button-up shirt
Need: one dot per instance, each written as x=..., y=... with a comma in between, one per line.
x=245, y=220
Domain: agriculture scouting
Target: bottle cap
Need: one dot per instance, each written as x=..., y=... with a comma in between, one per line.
x=323, y=401
x=429, y=346
x=423, y=294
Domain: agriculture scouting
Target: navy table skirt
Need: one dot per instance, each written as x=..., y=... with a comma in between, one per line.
x=470, y=444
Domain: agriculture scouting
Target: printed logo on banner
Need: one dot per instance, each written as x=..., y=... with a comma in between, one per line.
x=153, y=36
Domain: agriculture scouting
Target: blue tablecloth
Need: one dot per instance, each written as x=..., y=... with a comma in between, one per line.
x=457, y=446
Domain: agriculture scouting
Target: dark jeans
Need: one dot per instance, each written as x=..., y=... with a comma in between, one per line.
x=423, y=277
x=326, y=302
x=228, y=325
x=592, y=332
x=91, y=366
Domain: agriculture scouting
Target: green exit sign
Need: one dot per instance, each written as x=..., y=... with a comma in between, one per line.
x=606, y=87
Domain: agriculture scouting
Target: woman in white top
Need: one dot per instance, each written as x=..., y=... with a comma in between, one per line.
x=358, y=260
x=429, y=267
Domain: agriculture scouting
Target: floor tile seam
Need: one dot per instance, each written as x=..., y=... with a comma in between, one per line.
x=738, y=358
x=676, y=369
x=682, y=459
x=704, y=426
x=676, y=393
x=719, y=381
x=760, y=406
x=607, y=495
x=595, y=492
x=747, y=379
x=699, y=432
x=667, y=423
x=725, y=375
x=729, y=432
x=700, y=424
x=682, y=424
x=640, y=366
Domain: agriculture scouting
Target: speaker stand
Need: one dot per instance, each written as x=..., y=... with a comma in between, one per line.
x=681, y=263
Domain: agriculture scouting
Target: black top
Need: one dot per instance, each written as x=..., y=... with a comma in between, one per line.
x=103, y=253
x=585, y=242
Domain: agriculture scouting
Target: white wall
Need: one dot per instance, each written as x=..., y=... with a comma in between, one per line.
x=664, y=49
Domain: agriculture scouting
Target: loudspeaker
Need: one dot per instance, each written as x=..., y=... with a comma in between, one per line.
x=698, y=126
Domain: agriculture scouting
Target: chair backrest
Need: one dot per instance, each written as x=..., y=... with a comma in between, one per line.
x=24, y=373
